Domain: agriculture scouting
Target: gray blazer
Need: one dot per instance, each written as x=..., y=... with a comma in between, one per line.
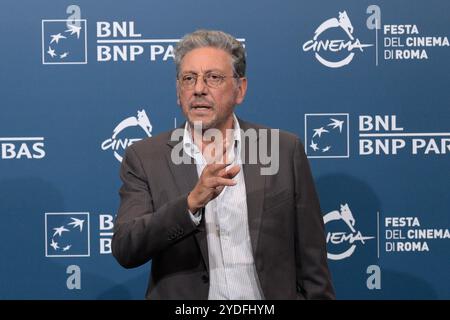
x=284, y=217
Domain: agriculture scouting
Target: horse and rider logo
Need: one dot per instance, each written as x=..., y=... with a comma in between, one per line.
x=343, y=22
x=141, y=120
x=119, y=144
x=351, y=237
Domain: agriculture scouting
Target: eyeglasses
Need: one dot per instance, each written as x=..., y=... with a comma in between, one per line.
x=211, y=79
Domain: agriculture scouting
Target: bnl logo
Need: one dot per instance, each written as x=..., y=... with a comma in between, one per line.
x=64, y=41
x=67, y=234
x=327, y=135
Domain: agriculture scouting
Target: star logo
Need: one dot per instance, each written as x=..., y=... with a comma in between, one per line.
x=319, y=131
x=54, y=245
x=51, y=52
x=59, y=231
x=64, y=41
x=326, y=135
x=67, y=234
x=336, y=124
x=56, y=38
x=73, y=29
x=77, y=223
x=314, y=146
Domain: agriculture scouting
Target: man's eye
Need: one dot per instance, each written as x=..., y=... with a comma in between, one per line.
x=188, y=78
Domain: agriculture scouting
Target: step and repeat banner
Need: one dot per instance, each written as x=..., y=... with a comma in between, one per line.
x=364, y=84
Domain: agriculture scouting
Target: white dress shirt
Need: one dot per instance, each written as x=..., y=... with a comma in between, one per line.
x=232, y=271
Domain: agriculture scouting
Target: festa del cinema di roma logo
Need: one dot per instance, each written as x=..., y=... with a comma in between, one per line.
x=337, y=45
x=345, y=241
x=120, y=138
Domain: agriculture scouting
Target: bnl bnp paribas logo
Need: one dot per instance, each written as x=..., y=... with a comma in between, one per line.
x=327, y=135
x=126, y=132
x=334, y=42
x=67, y=234
x=343, y=236
x=64, y=41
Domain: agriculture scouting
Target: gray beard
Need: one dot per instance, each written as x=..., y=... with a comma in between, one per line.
x=205, y=126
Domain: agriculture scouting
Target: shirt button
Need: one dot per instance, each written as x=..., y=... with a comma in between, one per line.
x=205, y=278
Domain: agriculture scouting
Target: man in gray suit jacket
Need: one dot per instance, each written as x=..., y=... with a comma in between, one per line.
x=213, y=222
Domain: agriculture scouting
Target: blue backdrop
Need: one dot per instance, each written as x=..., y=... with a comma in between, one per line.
x=363, y=83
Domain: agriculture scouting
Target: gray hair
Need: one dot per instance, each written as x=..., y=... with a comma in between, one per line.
x=215, y=39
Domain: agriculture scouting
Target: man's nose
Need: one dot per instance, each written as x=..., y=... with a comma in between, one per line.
x=200, y=87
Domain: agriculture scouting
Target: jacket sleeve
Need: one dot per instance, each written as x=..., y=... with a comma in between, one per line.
x=140, y=231
x=313, y=276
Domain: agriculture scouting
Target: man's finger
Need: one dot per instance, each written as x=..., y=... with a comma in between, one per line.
x=216, y=167
x=219, y=181
x=232, y=172
x=229, y=172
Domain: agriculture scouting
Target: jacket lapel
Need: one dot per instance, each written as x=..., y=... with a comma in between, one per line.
x=185, y=176
x=254, y=185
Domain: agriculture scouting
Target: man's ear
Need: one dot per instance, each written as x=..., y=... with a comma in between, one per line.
x=242, y=90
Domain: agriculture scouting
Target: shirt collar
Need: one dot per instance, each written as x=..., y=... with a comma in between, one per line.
x=191, y=148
